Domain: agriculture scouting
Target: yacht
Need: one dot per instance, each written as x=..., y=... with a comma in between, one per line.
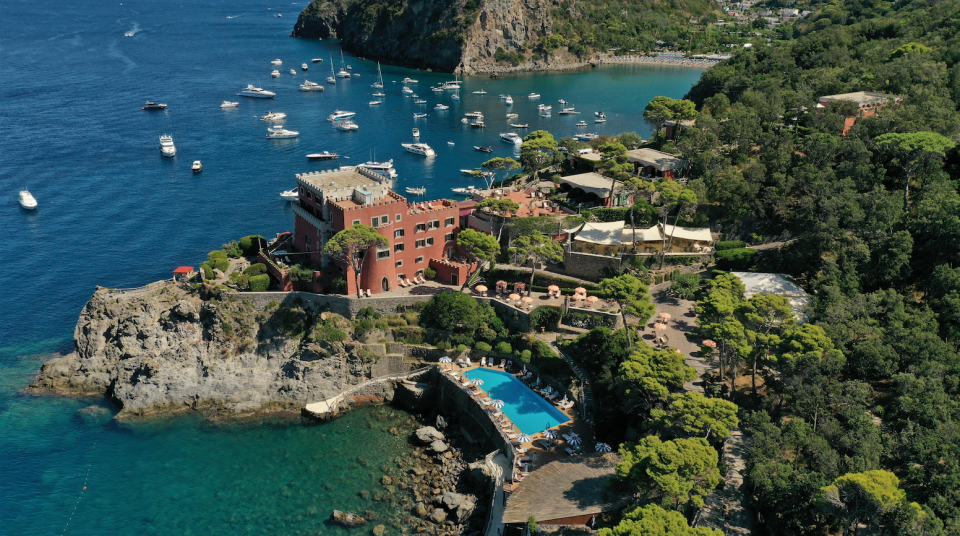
x=561, y=101
x=479, y=92
x=450, y=143
x=416, y=132
x=275, y=73
x=167, y=148
x=347, y=125
x=276, y=62
x=311, y=86
x=419, y=116
x=316, y=60
x=600, y=115
x=600, y=120
x=581, y=124
x=382, y=168
x=379, y=94
x=478, y=123
x=326, y=155
x=293, y=72
x=416, y=191
x=26, y=200
x=154, y=106
x=510, y=137
x=229, y=104
x=415, y=96
x=441, y=107
x=274, y=116
x=251, y=91
x=533, y=96
x=406, y=91
x=343, y=72
x=502, y=96
x=474, y=114
x=586, y=136
x=468, y=190
x=277, y=132
x=436, y=89
x=419, y=101
x=544, y=107
x=197, y=167
x=568, y=111
x=331, y=79
x=339, y=114
x=290, y=195
x=452, y=85
x=518, y=125
x=421, y=149
x=375, y=102
x=409, y=80
x=509, y=100
x=379, y=83
x=483, y=148
x=303, y=67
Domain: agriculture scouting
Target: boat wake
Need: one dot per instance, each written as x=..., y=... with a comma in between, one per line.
x=114, y=52
x=132, y=31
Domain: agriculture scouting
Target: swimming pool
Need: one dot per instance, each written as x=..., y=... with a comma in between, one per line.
x=528, y=410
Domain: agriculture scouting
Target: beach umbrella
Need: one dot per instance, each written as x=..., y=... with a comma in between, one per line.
x=514, y=297
x=577, y=297
x=445, y=359
x=575, y=440
x=524, y=438
x=526, y=299
x=481, y=288
x=549, y=434
x=603, y=447
x=709, y=344
x=499, y=283
x=593, y=299
x=580, y=290
x=665, y=316
x=659, y=327
x=478, y=382
x=553, y=288
x=497, y=404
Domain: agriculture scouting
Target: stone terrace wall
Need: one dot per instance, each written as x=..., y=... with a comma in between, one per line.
x=587, y=266
x=348, y=307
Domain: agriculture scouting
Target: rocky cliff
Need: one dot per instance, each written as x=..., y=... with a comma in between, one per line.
x=456, y=36
x=169, y=349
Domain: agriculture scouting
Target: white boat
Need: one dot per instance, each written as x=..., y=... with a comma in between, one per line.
x=452, y=85
x=311, y=86
x=274, y=116
x=326, y=155
x=533, y=96
x=508, y=101
x=256, y=92
x=303, y=67
x=406, y=91
x=586, y=136
x=544, y=107
x=581, y=124
x=462, y=191
x=383, y=168
x=455, y=96
x=518, y=125
x=416, y=191
x=379, y=94
x=316, y=60
x=561, y=101
x=150, y=105
x=478, y=123
x=229, y=104
x=290, y=195
x=600, y=120
x=419, y=116
x=416, y=132
x=600, y=114
x=340, y=114
x=277, y=132
x=26, y=200
x=197, y=167
x=331, y=79
x=167, y=148
x=450, y=143
x=379, y=83
x=409, y=80
x=471, y=172
x=568, y=111
x=511, y=138
x=512, y=114
x=419, y=101
x=415, y=95
x=441, y=107
x=436, y=89
x=502, y=96
x=276, y=62
x=474, y=114
x=464, y=120
x=375, y=102
x=293, y=72
x=343, y=72
x=479, y=92
x=421, y=149
x=275, y=73
x=347, y=125
x=349, y=68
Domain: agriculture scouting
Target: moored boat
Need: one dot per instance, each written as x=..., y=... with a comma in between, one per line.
x=416, y=191
x=229, y=104
x=256, y=92
x=274, y=116
x=154, y=106
x=290, y=195
x=483, y=148
x=197, y=167
x=511, y=137
x=27, y=200
x=326, y=155
x=421, y=149
x=167, y=148
x=277, y=132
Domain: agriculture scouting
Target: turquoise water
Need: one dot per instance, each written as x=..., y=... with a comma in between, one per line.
x=528, y=410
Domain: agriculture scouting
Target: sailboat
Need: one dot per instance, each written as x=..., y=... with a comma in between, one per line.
x=342, y=73
x=379, y=83
x=331, y=79
x=456, y=96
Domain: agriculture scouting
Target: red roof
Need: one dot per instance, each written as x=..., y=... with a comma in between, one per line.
x=184, y=270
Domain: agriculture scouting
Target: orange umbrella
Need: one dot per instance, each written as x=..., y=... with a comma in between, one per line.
x=580, y=290
x=593, y=299
x=481, y=288
x=665, y=316
x=578, y=297
x=526, y=299
x=659, y=327
x=553, y=288
x=709, y=344
x=514, y=296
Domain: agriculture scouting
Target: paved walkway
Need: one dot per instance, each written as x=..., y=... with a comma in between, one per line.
x=724, y=510
x=682, y=321
x=500, y=466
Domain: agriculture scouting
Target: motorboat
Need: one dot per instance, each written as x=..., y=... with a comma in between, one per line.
x=406, y=91
x=478, y=123
x=474, y=114
x=279, y=15
x=464, y=191
x=586, y=136
x=568, y=111
x=441, y=107
x=436, y=89
x=483, y=148
x=311, y=86
x=508, y=101
x=303, y=67
x=533, y=96
x=276, y=62
x=317, y=60
x=340, y=114
x=347, y=125
x=382, y=168
x=409, y=80
x=471, y=172
x=27, y=200
x=581, y=124
x=517, y=125
x=375, y=102
x=419, y=116
x=502, y=96
x=274, y=116
x=167, y=148
x=154, y=106
x=419, y=101
x=293, y=72
x=229, y=104
x=416, y=132
x=415, y=95
x=509, y=115
x=379, y=94
x=197, y=167
x=290, y=195
x=421, y=149
x=343, y=72
x=349, y=68
x=450, y=143
x=561, y=101
x=277, y=132
x=479, y=92
x=545, y=113
x=512, y=138
x=600, y=120
x=544, y=107
x=416, y=191
x=256, y=92
x=379, y=83
x=275, y=73
x=326, y=155
x=464, y=120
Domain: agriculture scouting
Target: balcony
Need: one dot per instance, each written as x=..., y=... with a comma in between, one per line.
x=313, y=220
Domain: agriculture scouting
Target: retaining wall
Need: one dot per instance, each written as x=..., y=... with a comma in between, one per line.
x=587, y=266
x=456, y=399
x=342, y=305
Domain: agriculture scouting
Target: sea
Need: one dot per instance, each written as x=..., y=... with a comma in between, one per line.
x=113, y=212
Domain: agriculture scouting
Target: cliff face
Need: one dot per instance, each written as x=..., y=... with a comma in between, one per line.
x=456, y=36
x=169, y=350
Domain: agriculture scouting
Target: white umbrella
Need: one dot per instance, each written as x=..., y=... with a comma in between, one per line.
x=524, y=438
x=603, y=447
x=575, y=440
x=497, y=404
x=477, y=381
x=445, y=360
x=549, y=434
x=573, y=435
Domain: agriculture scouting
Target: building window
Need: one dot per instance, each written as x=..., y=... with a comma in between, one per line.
x=376, y=223
x=419, y=272
x=434, y=224
x=421, y=243
x=430, y=241
x=421, y=227
x=307, y=237
x=448, y=222
x=448, y=237
x=398, y=247
x=356, y=222
x=384, y=220
x=398, y=217
x=418, y=260
x=401, y=277
x=398, y=264
x=398, y=233
x=385, y=254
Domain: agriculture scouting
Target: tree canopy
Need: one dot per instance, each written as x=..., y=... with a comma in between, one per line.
x=350, y=246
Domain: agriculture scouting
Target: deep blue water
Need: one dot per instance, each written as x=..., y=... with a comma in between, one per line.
x=113, y=212
x=529, y=411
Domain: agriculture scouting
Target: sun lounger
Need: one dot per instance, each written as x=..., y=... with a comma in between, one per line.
x=546, y=445
x=531, y=458
x=509, y=365
x=567, y=405
x=570, y=451
x=522, y=451
x=467, y=359
x=503, y=363
x=553, y=395
x=566, y=437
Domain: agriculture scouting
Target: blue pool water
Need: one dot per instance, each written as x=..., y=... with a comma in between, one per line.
x=528, y=410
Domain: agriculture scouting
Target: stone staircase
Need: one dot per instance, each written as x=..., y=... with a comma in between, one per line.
x=586, y=386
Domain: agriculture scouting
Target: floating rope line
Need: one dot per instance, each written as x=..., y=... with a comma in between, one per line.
x=85, y=479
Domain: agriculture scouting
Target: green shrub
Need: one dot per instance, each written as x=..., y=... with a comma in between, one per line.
x=408, y=336
x=362, y=326
x=369, y=312
x=735, y=259
x=429, y=273
x=233, y=249
x=443, y=346
x=218, y=259
x=482, y=347
x=207, y=270
x=503, y=347
x=729, y=244
x=256, y=269
x=462, y=339
x=259, y=283
x=327, y=330
x=463, y=348
x=685, y=285
x=546, y=316
x=251, y=244
x=526, y=356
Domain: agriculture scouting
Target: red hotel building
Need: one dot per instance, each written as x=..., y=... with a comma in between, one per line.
x=419, y=234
